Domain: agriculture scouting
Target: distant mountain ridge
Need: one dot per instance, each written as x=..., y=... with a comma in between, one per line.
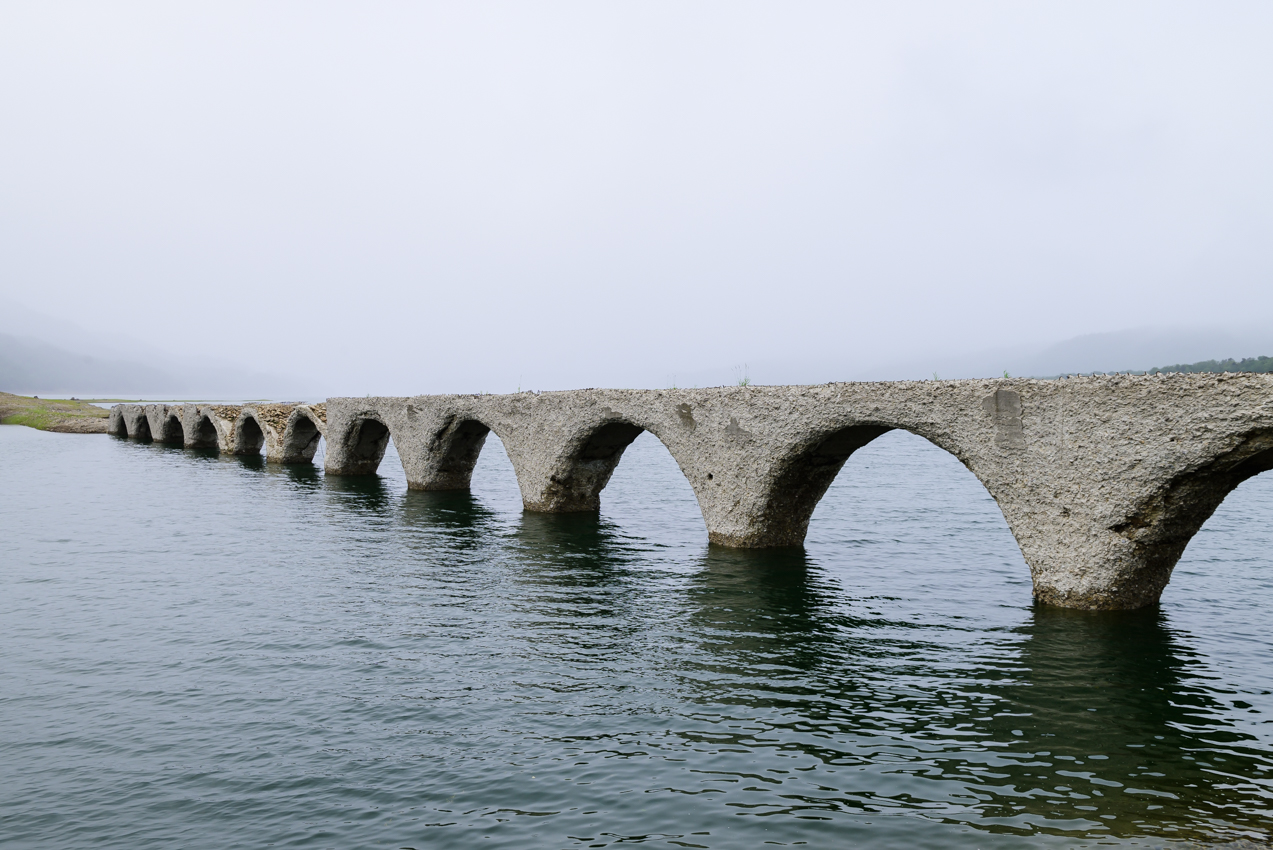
x=29, y=366
x=35, y=367
x=1130, y=350
x=44, y=355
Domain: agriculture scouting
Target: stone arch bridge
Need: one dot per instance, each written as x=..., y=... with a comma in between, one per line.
x=1102, y=480
x=289, y=433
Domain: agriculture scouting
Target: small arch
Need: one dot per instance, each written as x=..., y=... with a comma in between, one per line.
x=801, y=480
x=458, y=445
x=172, y=430
x=248, y=436
x=366, y=440
x=118, y=425
x=205, y=434
x=141, y=431
x=586, y=467
x=300, y=438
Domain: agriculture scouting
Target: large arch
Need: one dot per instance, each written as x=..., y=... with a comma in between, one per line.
x=798, y=479
x=906, y=521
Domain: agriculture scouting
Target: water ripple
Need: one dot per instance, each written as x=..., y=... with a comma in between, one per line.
x=202, y=651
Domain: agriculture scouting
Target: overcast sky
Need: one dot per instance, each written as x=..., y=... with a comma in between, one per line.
x=474, y=196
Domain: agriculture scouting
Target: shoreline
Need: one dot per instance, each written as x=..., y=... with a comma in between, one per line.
x=64, y=416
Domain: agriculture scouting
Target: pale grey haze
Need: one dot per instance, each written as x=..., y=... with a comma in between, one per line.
x=317, y=198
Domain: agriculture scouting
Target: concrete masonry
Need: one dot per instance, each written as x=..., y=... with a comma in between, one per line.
x=1102, y=480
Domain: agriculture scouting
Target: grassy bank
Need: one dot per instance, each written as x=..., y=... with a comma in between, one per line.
x=70, y=416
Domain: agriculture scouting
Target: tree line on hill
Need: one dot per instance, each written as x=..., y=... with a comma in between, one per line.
x=1246, y=364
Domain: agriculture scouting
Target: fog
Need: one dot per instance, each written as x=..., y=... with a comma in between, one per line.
x=403, y=198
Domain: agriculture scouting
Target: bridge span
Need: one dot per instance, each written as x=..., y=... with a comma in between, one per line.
x=1102, y=480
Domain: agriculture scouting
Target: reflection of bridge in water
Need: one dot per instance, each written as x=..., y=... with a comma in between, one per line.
x=1069, y=723
x=1044, y=723
x=1102, y=480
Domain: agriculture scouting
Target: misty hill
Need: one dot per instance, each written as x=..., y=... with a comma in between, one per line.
x=44, y=355
x=31, y=366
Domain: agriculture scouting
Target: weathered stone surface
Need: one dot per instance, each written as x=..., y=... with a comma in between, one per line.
x=1102, y=480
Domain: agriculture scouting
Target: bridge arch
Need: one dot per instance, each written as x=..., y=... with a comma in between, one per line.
x=796, y=480
x=140, y=429
x=249, y=436
x=301, y=436
x=454, y=449
x=117, y=426
x=171, y=430
x=1162, y=523
x=204, y=434
x=364, y=439
x=802, y=476
x=586, y=463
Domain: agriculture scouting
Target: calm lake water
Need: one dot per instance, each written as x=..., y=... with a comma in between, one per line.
x=200, y=651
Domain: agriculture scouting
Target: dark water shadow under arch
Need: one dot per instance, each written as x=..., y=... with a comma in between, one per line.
x=303, y=475
x=452, y=520
x=572, y=550
x=763, y=607
x=254, y=461
x=367, y=494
